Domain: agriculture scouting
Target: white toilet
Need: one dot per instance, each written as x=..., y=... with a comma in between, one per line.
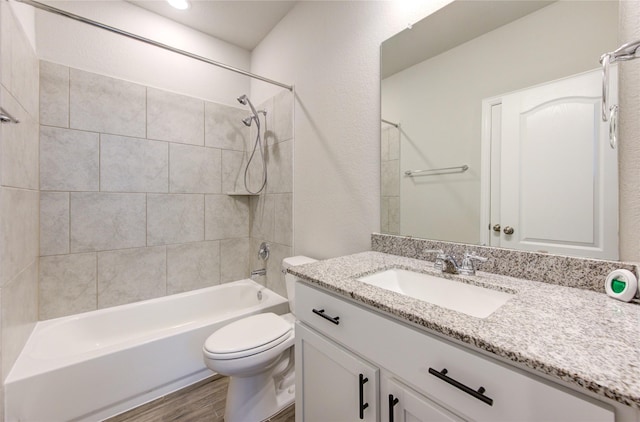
x=256, y=353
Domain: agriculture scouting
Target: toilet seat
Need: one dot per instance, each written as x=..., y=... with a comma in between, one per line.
x=248, y=336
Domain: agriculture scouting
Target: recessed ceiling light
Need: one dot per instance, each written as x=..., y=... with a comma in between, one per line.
x=179, y=4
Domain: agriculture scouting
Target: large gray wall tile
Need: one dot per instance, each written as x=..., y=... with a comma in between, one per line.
x=280, y=168
x=54, y=94
x=131, y=275
x=19, y=314
x=69, y=160
x=104, y=221
x=394, y=215
x=174, y=218
x=68, y=284
x=54, y=223
x=192, y=266
x=390, y=175
x=233, y=165
x=226, y=217
x=195, y=169
x=283, y=224
x=19, y=218
x=234, y=259
x=263, y=216
x=19, y=146
x=267, y=127
x=133, y=164
x=224, y=128
x=107, y=105
x=174, y=117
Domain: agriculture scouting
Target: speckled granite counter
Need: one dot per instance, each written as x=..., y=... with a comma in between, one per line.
x=582, y=337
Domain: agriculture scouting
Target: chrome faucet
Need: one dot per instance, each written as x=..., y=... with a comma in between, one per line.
x=261, y=271
x=468, y=266
x=447, y=263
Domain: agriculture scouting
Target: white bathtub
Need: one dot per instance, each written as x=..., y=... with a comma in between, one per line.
x=97, y=364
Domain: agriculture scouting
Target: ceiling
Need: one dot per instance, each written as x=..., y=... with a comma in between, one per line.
x=239, y=22
x=449, y=27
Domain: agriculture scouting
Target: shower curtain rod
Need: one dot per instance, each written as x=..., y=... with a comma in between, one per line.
x=78, y=18
x=390, y=123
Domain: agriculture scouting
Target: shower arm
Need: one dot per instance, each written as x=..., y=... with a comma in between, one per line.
x=82, y=19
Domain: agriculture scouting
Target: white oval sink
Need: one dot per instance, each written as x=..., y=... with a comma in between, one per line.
x=472, y=300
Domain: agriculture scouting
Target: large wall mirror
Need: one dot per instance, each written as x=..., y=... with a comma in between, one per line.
x=491, y=132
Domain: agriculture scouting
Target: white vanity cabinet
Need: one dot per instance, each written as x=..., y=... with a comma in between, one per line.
x=400, y=403
x=337, y=385
x=432, y=378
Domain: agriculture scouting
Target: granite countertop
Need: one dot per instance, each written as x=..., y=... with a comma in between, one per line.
x=582, y=337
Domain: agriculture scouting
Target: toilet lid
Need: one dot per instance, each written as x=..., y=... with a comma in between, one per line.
x=249, y=333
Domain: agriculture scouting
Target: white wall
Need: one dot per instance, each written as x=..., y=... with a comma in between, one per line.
x=629, y=144
x=25, y=15
x=331, y=52
x=75, y=44
x=439, y=106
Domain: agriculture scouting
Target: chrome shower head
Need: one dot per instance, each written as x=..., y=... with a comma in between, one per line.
x=247, y=121
x=244, y=100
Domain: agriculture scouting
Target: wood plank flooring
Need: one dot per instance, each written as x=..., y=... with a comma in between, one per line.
x=201, y=402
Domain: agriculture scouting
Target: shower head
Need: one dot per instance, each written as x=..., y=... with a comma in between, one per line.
x=247, y=121
x=244, y=100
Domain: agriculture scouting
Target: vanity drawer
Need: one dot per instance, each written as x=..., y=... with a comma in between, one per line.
x=419, y=359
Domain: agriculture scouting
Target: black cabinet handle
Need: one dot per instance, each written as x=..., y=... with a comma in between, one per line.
x=362, y=404
x=392, y=402
x=320, y=312
x=477, y=394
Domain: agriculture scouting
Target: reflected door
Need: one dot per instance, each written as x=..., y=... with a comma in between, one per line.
x=557, y=190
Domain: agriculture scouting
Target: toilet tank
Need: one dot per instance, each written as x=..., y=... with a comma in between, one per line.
x=291, y=279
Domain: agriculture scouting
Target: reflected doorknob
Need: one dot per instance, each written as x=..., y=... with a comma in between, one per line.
x=508, y=230
x=496, y=228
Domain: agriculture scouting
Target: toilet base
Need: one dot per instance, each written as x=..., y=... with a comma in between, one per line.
x=258, y=397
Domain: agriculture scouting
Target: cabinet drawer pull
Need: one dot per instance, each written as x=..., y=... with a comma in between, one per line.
x=392, y=402
x=362, y=405
x=320, y=312
x=477, y=394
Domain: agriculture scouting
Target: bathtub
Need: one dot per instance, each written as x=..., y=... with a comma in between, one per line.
x=94, y=365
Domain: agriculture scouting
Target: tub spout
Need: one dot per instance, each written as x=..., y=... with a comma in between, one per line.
x=261, y=271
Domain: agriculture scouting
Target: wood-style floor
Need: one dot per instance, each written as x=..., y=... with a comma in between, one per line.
x=203, y=401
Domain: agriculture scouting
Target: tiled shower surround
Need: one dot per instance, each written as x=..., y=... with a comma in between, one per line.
x=390, y=179
x=18, y=192
x=134, y=184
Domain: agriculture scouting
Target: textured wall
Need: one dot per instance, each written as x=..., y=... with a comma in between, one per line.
x=629, y=131
x=18, y=190
x=133, y=191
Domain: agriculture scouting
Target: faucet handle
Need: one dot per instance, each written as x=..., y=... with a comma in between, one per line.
x=468, y=263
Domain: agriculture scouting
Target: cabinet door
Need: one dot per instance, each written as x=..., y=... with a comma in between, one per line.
x=400, y=403
x=331, y=383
